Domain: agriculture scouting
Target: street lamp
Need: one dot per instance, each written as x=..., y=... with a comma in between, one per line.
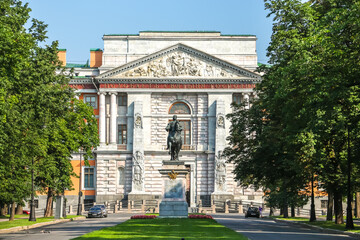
x=80, y=192
x=32, y=204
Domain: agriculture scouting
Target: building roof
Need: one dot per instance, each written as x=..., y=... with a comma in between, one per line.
x=213, y=33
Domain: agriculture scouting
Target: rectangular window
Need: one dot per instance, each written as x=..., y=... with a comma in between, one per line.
x=88, y=177
x=186, y=132
x=237, y=98
x=122, y=100
x=91, y=100
x=122, y=134
x=121, y=175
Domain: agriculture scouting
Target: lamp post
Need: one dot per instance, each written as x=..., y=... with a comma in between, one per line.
x=32, y=204
x=80, y=192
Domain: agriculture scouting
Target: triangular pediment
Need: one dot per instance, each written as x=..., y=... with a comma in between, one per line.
x=179, y=61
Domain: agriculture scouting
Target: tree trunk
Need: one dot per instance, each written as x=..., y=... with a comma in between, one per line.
x=271, y=212
x=286, y=211
x=19, y=209
x=3, y=210
x=349, y=212
x=64, y=207
x=281, y=211
x=357, y=202
x=292, y=211
x=52, y=207
x=312, y=205
x=338, y=210
x=330, y=206
x=49, y=200
x=12, y=213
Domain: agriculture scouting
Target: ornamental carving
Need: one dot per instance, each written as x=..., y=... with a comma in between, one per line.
x=220, y=122
x=220, y=173
x=178, y=64
x=138, y=120
x=138, y=172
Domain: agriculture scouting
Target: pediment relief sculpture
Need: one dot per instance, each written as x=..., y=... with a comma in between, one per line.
x=178, y=64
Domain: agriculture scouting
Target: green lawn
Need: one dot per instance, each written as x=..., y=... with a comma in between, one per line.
x=300, y=219
x=165, y=228
x=332, y=225
x=320, y=223
x=26, y=222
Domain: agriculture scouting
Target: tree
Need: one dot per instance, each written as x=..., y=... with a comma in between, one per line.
x=42, y=121
x=309, y=98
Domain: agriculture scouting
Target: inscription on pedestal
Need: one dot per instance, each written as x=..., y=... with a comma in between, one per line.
x=174, y=189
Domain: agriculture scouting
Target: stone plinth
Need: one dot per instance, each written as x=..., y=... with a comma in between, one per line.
x=173, y=209
x=173, y=203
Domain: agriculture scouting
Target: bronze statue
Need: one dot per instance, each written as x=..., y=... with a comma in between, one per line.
x=174, y=141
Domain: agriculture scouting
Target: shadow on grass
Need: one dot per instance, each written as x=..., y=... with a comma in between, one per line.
x=165, y=228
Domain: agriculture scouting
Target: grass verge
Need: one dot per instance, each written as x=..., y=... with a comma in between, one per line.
x=165, y=228
x=332, y=225
x=25, y=222
x=322, y=224
x=299, y=219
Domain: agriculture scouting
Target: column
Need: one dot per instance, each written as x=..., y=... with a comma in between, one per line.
x=113, y=117
x=102, y=118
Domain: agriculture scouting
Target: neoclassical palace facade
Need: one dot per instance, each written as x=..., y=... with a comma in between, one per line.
x=136, y=84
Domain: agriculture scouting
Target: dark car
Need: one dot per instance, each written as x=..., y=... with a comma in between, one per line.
x=97, y=212
x=252, y=212
x=100, y=206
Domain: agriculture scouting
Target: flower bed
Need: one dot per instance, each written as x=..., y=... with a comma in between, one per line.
x=143, y=217
x=200, y=216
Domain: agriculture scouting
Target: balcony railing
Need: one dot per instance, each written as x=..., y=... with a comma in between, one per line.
x=184, y=147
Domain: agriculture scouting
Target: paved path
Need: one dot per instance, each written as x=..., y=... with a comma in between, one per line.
x=267, y=229
x=68, y=230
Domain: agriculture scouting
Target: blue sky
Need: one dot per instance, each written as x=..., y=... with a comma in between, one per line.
x=79, y=25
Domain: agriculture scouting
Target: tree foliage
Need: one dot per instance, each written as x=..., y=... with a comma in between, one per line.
x=42, y=121
x=308, y=103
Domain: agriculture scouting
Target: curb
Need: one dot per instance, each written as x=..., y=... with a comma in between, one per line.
x=16, y=229
x=325, y=230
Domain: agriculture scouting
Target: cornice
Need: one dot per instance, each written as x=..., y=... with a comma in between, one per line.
x=178, y=80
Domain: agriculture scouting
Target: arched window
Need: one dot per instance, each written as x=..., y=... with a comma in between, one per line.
x=182, y=108
x=179, y=108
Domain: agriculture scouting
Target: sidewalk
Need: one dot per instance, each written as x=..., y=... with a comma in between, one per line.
x=55, y=221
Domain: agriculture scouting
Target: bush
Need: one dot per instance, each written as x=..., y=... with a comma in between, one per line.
x=200, y=216
x=143, y=217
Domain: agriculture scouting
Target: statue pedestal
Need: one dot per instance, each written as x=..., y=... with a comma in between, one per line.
x=173, y=203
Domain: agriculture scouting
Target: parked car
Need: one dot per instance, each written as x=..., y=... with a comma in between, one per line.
x=97, y=212
x=252, y=212
x=100, y=206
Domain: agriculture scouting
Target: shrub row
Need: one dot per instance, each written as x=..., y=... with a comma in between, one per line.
x=143, y=217
x=201, y=216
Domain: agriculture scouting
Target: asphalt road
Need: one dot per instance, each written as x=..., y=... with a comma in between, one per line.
x=267, y=229
x=67, y=230
x=253, y=228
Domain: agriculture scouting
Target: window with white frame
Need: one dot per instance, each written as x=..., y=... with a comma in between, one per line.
x=237, y=98
x=91, y=100
x=89, y=177
x=122, y=99
x=121, y=176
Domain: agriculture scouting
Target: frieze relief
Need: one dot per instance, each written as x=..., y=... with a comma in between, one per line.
x=178, y=64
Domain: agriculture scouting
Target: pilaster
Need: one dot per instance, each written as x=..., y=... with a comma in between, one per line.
x=102, y=118
x=138, y=166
